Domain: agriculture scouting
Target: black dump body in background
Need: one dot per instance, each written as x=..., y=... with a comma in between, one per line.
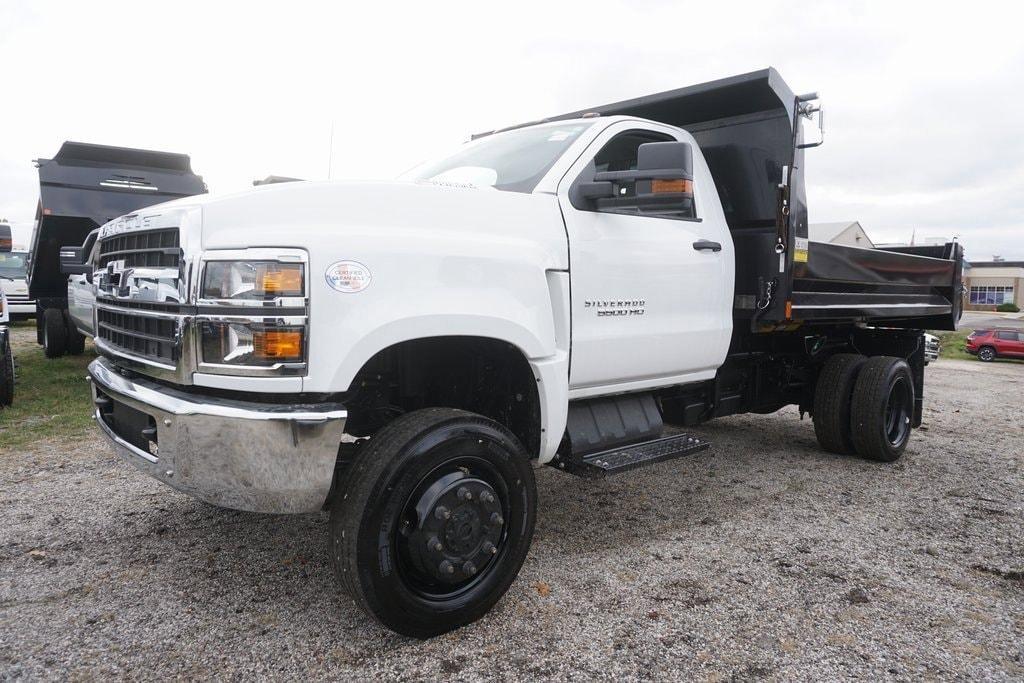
x=86, y=185
x=748, y=129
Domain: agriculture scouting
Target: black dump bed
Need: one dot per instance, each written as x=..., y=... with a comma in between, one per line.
x=86, y=185
x=748, y=128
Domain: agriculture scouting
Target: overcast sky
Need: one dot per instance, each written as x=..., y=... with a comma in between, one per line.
x=924, y=104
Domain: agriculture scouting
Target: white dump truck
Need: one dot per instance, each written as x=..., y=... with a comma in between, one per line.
x=576, y=292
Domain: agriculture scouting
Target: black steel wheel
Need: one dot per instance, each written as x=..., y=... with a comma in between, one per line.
x=55, y=333
x=431, y=524
x=987, y=354
x=882, y=409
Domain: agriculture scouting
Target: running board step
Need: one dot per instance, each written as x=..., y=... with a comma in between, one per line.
x=628, y=458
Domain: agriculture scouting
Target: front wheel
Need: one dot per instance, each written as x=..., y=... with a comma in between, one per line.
x=434, y=520
x=6, y=374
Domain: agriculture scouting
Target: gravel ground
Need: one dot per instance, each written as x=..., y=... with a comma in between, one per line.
x=761, y=558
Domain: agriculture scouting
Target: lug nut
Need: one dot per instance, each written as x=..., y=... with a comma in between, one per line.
x=442, y=512
x=447, y=567
x=496, y=518
x=434, y=544
x=469, y=568
x=465, y=494
x=487, y=497
x=490, y=548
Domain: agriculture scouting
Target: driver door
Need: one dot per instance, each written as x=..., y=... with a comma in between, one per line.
x=648, y=307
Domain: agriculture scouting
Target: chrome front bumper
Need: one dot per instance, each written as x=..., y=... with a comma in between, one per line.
x=238, y=454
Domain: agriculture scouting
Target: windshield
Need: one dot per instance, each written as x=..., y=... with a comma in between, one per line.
x=12, y=264
x=514, y=161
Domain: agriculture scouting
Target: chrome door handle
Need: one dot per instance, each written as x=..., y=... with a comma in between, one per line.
x=707, y=245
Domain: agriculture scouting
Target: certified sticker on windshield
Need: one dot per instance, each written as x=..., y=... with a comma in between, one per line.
x=348, y=276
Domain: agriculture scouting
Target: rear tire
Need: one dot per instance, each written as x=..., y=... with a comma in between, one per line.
x=7, y=376
x=433, y=520
x=882, y=410
x=987, y=354
x=832, y=397
x=55, y=333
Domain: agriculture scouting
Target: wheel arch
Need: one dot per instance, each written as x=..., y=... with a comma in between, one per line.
x=489, y=375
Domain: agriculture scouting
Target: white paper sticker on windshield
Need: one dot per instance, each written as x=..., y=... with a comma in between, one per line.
x=560, y=135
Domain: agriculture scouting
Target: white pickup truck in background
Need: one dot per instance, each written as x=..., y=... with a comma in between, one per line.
x=573, y=292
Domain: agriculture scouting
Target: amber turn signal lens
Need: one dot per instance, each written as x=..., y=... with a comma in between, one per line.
x=277, y=345
x=674, y=185
x=280, y=279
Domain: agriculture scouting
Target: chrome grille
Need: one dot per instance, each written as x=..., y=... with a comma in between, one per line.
x=138, y=295
x=151, y=337
x=142, y=249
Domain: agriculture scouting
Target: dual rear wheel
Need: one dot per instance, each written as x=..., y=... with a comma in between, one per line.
x=864, y=406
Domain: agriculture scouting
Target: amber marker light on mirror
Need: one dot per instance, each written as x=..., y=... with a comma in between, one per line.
x=676, y=185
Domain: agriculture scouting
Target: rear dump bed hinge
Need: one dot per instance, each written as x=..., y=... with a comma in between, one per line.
x=631, y=457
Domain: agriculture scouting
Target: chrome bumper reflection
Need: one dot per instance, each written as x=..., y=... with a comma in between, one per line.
x=236, y=454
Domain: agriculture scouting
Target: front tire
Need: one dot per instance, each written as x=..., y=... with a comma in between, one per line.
x=882, y=409
x=75, y=344
x=434, y=520
x=7, y=376
x=55, y=333
x=987, y=354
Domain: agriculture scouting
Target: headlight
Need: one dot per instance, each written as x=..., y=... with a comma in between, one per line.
x=252, y=344
x=252, y=280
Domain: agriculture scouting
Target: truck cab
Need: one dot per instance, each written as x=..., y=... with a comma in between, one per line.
x=579, y=292
x=12, y=281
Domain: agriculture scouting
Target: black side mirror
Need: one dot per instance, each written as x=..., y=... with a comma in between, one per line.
x=72, y=261
x=661, y=184
x=6, y=240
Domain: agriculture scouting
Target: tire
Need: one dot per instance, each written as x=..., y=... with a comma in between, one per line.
x=75, y=344
x=832, y=396
x=882, y=410
x=7, y=376
x=55, y=333
x=986, y=354
x=425, y=574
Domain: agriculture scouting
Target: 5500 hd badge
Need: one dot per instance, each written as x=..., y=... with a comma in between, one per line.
x=616, y=307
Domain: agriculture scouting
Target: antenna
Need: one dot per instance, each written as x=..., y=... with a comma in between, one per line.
x=330, y=152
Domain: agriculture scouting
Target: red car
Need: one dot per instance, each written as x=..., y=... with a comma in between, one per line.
x=988, y=345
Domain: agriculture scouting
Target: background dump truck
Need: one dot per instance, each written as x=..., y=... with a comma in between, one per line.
x=80, y=189
x=579, y=292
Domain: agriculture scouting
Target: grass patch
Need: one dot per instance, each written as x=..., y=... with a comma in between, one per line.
x=51, y=396
x=953, y=344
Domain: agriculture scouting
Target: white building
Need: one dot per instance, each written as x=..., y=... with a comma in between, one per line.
x=849, y=233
